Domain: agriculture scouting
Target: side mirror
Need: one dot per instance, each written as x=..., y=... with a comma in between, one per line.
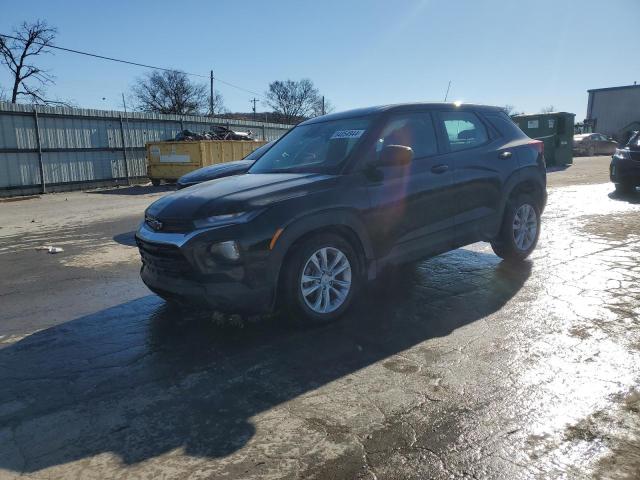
x=395, y=156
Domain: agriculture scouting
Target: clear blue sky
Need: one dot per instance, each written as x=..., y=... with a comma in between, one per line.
x=358, y=53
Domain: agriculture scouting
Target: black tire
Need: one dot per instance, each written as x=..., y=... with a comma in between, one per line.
x=155, y=182
x=505, y=245
x=292, y=299
x=625, y=188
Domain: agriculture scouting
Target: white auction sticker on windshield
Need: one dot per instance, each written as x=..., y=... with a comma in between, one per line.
x=347, y=134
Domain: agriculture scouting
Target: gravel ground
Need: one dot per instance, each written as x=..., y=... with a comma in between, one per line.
x=456, y=367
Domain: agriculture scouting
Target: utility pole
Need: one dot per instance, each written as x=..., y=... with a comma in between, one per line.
x=447, y=94
x=323, y=104
x=124, y=140
x=254, y=100
x=211, y=94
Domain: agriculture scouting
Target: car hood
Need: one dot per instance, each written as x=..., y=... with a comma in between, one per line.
x=239, y=193
x=215, y=171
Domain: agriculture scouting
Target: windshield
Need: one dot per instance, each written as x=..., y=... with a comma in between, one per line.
x=634, y=141
x=258, y=152
x=316, y=148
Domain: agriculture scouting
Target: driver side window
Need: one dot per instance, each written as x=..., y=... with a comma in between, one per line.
x=413, y=130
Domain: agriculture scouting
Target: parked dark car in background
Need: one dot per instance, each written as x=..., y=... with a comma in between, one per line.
x=624, y=170
x=220, y=170
x=591, y=144
x=341, y=197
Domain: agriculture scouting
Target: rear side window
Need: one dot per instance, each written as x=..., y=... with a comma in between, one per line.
x=413, y=130
x=507, y=127
x=464, y=130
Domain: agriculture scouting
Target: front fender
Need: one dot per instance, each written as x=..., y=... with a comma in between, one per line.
x=299, y=227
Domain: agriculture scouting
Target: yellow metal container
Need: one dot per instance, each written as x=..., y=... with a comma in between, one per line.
x=170, y=160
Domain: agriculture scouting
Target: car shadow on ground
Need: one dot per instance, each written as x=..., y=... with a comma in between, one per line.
x=135, y=190
x=631, y=197
x=558, y=168
x=142, y=379
x=128, y=239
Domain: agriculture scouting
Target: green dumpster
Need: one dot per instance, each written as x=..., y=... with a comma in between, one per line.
x=555, y=130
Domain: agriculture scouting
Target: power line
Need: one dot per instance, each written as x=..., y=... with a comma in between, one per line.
x=239, y=88
x=102, y=56
x=112, y=59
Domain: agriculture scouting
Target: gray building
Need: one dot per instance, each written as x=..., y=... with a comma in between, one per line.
x=614, y=111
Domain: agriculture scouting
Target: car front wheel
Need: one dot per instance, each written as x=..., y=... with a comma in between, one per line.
x=625, y=188
x=320, y=279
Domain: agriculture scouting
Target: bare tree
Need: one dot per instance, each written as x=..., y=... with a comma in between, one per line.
x=548, y=109
x=293, y=101
x=511, y=110
x=508, y=109
x=173, y=92
x=31, y=40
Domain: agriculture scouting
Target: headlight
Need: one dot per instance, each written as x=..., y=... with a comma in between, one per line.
x=622, y=154
x=228, y=219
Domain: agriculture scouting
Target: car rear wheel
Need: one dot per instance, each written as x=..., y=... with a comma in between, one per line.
x=520, y=230
x=320, y=280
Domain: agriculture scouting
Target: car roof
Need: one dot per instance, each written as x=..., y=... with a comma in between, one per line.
x=370, y=111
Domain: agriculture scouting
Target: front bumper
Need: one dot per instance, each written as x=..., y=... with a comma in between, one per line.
x=231, y=297
x=170, y=269
x=625, y=171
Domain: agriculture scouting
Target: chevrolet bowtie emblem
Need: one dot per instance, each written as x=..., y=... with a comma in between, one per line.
x=153, y=223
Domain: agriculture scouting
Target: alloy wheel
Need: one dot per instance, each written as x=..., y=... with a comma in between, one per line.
x=326, y=280
x=525, y=227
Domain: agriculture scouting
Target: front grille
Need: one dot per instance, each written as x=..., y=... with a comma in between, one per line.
x=167, y=259
x=170, y=225
x=177, y=226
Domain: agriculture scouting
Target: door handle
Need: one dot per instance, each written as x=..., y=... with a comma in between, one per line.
x=505, y=155
x=440, y=168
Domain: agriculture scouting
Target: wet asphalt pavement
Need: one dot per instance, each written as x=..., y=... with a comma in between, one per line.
x=460, y=366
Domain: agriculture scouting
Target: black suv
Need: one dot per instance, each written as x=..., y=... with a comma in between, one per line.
x=341, y=197
x=624, y=170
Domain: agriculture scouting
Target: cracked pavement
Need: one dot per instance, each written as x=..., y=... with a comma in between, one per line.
x=459, y=366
